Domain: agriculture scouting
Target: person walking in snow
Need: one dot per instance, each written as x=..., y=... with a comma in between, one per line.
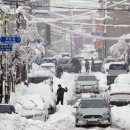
x=87, y=65
x=59, y=72
x=60, y=94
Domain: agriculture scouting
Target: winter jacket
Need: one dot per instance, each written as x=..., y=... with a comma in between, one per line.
x=60, y=92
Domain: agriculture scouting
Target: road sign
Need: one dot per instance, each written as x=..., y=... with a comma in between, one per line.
x=96, y=33
x=38, y=41
x=5, y=48
x=10, y=40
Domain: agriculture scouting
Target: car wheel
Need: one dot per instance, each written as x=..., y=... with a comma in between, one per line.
x=45, y=119
x=110, y=121
x=76, y=121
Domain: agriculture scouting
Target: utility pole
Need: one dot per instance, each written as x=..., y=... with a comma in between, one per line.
x=71, y=35
x=104, y=30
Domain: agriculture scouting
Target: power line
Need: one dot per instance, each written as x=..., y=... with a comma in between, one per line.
x=64, y=7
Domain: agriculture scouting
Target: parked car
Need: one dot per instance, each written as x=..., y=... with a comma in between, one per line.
x=49, y=67
x=32, y=106
x=50, y=60
x=87, y=83
x=106, y=63
x=6, y=108
x=46, y=92
x=119, y=98
x=93, y=110
x=65, y=64
x=114, y=70
x=123, y=78
x=118, y=94
x=40, y=76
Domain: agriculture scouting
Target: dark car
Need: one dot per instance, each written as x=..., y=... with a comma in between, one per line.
x=5, y=108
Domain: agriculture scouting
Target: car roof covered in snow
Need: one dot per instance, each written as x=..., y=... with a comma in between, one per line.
x=47, y=64
x=41, y=73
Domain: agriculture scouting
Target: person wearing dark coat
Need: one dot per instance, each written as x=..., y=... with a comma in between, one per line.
x=87, y=65
x=60, y=94
x=59, y=72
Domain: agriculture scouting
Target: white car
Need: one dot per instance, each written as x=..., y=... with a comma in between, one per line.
x=32, y=106
x=118, y=94
x=49, y=67
x=106, y=63
x=45, y=92
x=87, y=83
x=123, y=78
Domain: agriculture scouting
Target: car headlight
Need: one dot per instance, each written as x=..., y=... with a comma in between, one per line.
x=96, y=86
x=106, y=115
x=78, y=86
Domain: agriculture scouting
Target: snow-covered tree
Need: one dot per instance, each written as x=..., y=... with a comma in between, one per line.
x=122, y=46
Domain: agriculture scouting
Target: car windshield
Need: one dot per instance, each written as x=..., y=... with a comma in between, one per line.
x=64, y=61
x=46, y=61
x=118, y=67
x=86, y=78
x=114, y=94
x=93, y=104
x=37, y=79
x=47, y=67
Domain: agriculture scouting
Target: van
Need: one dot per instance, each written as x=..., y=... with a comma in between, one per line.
x=117, y=68
x=114, y=70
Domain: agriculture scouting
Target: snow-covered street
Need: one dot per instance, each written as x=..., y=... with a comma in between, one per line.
x=63, y=118
x=64, y=64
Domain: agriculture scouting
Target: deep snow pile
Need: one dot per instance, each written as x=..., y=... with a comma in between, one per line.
x=63, y=116
x=15, y=122
x=121, y=116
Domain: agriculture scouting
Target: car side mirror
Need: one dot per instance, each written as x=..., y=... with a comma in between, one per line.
x=26, y=83
x=107, y=70
x=127, y=70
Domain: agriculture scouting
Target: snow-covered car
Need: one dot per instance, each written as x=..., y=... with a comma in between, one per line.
x=123, y=78
x=49, y=67
x=45, y=92
x=119, y=98
x=118, y=94
x=87, y=83
x=32, y=106
x=40, y=76
x=50, y=60
x=93, y=110
x=6, y=108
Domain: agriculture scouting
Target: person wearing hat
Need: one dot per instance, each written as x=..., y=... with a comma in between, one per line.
x=60, y=94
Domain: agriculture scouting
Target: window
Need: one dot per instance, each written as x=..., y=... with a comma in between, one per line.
x=37, y=79
x=86, y=78
x=118, y=67
x=93, y=104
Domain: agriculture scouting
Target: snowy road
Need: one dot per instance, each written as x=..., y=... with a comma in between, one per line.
x=64, y=118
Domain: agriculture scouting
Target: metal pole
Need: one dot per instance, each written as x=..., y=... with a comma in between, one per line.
x=104, y=44
x=71, y=35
